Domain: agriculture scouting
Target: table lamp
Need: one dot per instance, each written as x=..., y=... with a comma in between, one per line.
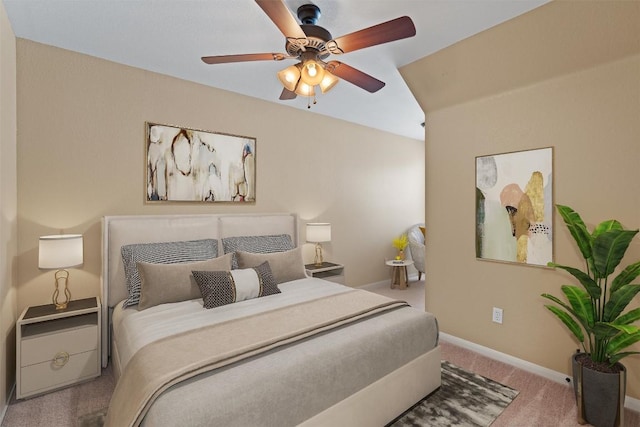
x=318, y=232
x=59, y=252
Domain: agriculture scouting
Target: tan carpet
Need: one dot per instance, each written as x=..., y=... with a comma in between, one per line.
x=541, y=402
x=63, y=407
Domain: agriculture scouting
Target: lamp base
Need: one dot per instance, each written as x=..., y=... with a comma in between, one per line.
x=61, y=277
x=318, y=259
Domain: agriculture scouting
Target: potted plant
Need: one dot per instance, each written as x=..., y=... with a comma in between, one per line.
x=594, y=313
x=400, y=243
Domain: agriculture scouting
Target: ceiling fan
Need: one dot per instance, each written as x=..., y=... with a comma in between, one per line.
x=311, y=45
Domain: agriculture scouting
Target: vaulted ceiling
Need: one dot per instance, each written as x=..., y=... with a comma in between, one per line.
x=170, y=37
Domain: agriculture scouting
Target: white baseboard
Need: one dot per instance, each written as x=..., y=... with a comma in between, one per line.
x=558, y=377
x=412, y=278
x=3, y=412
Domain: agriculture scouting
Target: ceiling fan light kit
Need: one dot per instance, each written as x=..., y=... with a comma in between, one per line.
x=289, y=77
x=312, y=73
x=311, y=44
x=328, y=82
x=304, y=89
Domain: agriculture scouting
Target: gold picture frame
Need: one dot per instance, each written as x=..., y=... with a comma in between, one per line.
x=514, y=207
x=193, y=165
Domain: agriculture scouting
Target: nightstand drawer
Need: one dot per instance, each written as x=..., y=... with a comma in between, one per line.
x=47, y=375
x=38, y=346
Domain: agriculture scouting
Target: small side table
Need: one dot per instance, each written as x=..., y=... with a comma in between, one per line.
x=57, y=348
x=399, y=275
x=327, y=271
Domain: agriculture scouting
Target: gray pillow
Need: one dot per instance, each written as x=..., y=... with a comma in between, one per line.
x=165, y=283
x=161, y=253
x=286, y=266
x=220, y=288
x=257, y=244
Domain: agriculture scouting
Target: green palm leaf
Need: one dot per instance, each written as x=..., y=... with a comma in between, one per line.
x=580, y=303
x=568, y=309
x=618, y=301
x=626, y=276
x=568, y=321
x=622, y=341
x=627, y=329
x=587, y=282
x=628, y=318
x=578, y=230
x=603, y=330
x=604, y=226
x=609, y=249
x=616, y=357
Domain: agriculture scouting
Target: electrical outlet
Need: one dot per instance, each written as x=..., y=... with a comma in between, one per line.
x=497, y=315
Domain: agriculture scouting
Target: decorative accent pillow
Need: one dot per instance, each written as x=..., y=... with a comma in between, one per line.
x=257, y=244
x=220, y=288
x=161, y=253
x=285, y=266
x=164, y=283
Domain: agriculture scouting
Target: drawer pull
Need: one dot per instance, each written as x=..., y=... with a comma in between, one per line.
x=61, y=359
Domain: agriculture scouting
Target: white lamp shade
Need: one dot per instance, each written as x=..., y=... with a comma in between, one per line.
x=328, y=82
x=304, y=89
x=312, y=73
x=318, y=232
x=289, y=77
x=60, y=251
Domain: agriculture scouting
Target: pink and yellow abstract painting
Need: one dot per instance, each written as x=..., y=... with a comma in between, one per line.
x=514, y=207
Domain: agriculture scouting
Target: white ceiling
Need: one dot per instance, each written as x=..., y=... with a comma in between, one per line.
x=170, y=37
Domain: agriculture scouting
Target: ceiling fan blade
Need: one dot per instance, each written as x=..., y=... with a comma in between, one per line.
x=224, y=59
x=278, y=12
x=396, y=29
x=287, y=94
x=354, y=76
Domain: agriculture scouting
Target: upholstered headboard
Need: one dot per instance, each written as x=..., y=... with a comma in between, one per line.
x=123, y=230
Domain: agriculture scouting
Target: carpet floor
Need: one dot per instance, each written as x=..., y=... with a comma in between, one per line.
x=465, y=399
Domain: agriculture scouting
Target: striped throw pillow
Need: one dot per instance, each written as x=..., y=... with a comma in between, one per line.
x=161, y=253
x=257, y=244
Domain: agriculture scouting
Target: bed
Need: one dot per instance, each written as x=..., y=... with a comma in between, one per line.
x=272, y=360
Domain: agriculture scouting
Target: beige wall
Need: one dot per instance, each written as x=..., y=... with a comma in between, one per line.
x=81, y=131
x=566, y=75
x=8, y=207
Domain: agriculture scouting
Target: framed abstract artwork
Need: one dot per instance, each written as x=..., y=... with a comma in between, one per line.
x=514, y=207
x=191, y=165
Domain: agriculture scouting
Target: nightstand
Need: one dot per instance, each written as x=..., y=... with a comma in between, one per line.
x=399, y=275
x=327, y=271
x=57, y=348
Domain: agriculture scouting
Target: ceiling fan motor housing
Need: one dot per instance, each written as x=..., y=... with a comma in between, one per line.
x=309, y=14
x=317, y=36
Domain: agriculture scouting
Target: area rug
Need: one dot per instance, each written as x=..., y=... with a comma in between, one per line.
x=94, y=419
x=464, y=399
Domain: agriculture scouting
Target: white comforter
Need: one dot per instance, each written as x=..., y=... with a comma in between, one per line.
x=285, y=386
x=134, y=329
